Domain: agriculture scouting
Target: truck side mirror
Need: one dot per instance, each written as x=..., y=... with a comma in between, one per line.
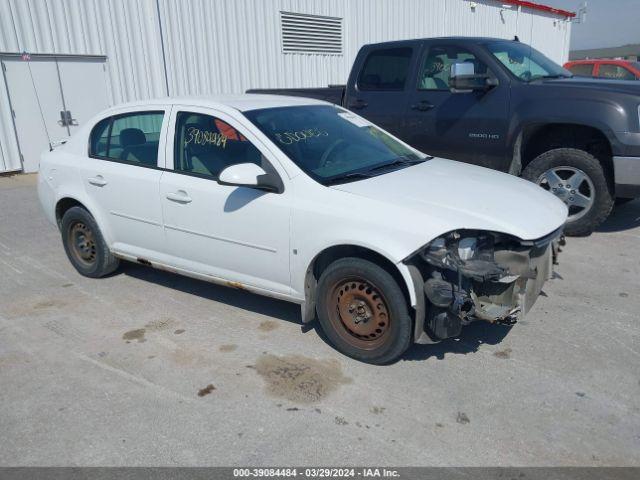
x=464, y=79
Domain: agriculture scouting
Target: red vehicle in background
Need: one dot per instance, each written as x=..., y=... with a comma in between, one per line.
x=605, y=68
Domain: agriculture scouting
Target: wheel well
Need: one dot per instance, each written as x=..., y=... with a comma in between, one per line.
x=331, y=254
x=63, y=205
x=537, y=139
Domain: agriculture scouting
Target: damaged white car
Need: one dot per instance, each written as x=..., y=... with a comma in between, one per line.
x=302, y=200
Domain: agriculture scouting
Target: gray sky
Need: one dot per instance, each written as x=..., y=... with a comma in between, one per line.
x=610, y=23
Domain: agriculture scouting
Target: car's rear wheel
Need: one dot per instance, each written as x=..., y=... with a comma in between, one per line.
x=85, y=245
x=578, y=179
x=363, y=311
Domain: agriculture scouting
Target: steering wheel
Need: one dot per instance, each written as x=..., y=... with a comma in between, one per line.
x=333, y=148
x=526, y=76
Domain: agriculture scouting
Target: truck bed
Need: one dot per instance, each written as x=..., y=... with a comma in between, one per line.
x=332, y=93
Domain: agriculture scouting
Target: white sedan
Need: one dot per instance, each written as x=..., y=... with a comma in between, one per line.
x=302, y=200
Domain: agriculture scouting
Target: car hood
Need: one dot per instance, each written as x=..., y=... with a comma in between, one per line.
x=439, y=196
x=631, y=87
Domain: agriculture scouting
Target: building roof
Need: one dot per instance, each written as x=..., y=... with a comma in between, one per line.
x=631, y=50
x=541, y=7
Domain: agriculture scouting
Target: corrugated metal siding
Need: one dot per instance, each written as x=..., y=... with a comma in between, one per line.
x=217, y=46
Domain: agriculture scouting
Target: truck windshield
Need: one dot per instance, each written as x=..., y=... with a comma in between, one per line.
x=332, y=145
x=525, y=62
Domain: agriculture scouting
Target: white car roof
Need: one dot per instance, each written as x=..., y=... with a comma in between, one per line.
x=241, y=102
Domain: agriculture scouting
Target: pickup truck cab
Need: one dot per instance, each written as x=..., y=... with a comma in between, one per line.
x=503, y=105
x=305, y=201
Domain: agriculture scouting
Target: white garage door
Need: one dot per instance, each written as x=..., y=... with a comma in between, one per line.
x=51, y=98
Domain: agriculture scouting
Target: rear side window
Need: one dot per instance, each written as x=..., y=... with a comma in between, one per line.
x=615, y=72
x=581, y=69
x=206, y=145
x=131, y=138
x=385, y=69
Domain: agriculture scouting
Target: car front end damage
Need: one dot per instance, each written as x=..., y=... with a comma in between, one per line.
x=466, y=275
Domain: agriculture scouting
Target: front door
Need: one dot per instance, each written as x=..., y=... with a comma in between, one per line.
x=236, y=234
x=466, y=126
x=378, y=91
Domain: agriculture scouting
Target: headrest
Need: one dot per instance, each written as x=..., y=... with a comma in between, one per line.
x=132, y=136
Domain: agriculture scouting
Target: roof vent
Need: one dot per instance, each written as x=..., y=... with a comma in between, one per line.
x=314, y=34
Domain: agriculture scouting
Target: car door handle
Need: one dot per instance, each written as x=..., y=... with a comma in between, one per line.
x=422, y=106
x=98, y=181
x=358, y=104
x=180, y=196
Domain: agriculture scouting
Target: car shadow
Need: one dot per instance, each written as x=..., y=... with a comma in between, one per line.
x=246, y=300
x=623, y=217
x=470, y=339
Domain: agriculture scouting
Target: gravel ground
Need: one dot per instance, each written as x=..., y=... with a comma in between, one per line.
x=150, y=368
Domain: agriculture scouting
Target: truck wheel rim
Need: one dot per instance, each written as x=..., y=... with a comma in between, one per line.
x=572, y=186
x=83, y=244
x=359, y=313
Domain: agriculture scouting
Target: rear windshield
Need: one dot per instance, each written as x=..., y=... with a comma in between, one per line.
x=327, y=142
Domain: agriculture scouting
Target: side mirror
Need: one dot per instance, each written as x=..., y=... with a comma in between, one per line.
x=464, y=79
x=249, y=175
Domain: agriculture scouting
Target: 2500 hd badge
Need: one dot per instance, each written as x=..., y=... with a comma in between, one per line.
x=384, y=245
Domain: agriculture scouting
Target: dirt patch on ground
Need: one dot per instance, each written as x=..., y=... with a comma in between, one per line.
x=206, y=390
x=228, y=348
x=160, y=324
x=137, y=334
x=300, y=379
x=268, y=326
x=506, y=353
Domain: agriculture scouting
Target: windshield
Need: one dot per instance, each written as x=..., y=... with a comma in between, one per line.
x=330, y=144
x=525, y=62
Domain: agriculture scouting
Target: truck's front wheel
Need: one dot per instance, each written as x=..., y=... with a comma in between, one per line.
x=578, y=179
x=363, y=311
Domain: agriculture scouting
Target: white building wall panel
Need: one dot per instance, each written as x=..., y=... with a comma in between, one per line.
x=217, y=46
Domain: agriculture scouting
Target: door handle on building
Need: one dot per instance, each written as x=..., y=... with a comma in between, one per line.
x=180, y=196
x=98, y=181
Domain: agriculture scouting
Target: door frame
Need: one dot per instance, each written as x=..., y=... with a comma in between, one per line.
x=36, y=56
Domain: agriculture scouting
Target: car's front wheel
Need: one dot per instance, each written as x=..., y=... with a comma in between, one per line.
x=578, y=179
x=363, y=311
x=84, y=244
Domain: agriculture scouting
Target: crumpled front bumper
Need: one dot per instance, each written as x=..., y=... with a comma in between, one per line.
x=449, y=305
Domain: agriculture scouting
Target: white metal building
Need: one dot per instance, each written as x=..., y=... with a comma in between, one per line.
x=64, y=60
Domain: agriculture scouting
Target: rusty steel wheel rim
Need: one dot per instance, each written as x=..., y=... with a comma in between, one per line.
x=359, y=313
x=83, y=243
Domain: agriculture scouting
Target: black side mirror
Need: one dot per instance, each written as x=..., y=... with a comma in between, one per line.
x=464, y=79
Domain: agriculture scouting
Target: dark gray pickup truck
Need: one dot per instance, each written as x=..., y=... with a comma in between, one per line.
x=503, y=105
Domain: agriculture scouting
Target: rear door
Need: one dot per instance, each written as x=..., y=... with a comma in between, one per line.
x=466, y=126
x=377, y=90
x=122, y=175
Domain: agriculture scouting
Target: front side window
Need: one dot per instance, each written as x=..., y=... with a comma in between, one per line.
x=131, y=138
x=205, y=145
x=435, y=70
x=525, y=62
x=331, y=145
x=385, y=69
x=582, y=69
x=615, y=72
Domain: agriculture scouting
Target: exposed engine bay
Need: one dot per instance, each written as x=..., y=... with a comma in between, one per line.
x=479, y=275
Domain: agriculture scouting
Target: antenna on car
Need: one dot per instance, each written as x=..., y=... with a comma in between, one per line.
x=515, y=38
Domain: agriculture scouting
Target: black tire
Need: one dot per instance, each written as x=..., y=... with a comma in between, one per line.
x=379, y=298
x=603, y=198
x=84, y=244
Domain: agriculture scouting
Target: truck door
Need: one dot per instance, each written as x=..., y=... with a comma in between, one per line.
x=466, y=126
x=378, y=85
